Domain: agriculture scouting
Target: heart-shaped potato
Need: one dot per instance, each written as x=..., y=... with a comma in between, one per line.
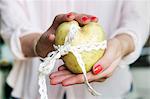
x=90, y=33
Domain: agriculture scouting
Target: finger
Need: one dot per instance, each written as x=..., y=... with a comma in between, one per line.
x=82, y=19
x=62, y=18
x=58, y=73
x=70, y=16
x=61, y=68
x=106, y=60
x=93, y=18
x=78, y=79
x=109, y=71
x=73, y=80
x=102, y=64
x=59, y=79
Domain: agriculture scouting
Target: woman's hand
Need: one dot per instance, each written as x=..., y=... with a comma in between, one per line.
x=41, y=45
x=118, y=47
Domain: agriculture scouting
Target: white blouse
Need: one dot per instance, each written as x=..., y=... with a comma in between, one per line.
x=21, y=17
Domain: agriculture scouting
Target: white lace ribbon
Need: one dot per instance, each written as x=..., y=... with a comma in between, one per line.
x=49, y=62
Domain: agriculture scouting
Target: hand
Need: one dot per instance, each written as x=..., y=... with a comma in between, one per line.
x=46, y=41
x=118, y=47
x=41, y=45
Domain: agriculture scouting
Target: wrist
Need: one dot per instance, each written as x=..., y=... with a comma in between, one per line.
x=34, y=48
x=126, y=42
x=28, y=43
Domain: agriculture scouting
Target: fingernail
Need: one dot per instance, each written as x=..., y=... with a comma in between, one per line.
x=53, y=84
x=69, y=15
x=97, y=69
x=84, y=18
x=65, y=85
x=93, y=18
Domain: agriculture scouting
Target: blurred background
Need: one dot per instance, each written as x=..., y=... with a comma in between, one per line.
x=140, y=71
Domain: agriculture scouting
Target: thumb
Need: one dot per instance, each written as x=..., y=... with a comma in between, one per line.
x=106, y=60
x=101, y=65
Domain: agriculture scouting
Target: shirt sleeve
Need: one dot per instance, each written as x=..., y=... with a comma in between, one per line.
x=14, y=24
x=134, y=21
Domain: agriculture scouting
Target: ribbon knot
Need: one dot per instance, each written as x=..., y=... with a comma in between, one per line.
x=49, y=62
x=63, y=49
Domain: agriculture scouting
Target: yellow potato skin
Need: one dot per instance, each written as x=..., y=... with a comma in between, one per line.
x=92, y=32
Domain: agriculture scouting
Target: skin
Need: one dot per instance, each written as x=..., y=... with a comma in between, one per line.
x=43, y=44
x=118, y=47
